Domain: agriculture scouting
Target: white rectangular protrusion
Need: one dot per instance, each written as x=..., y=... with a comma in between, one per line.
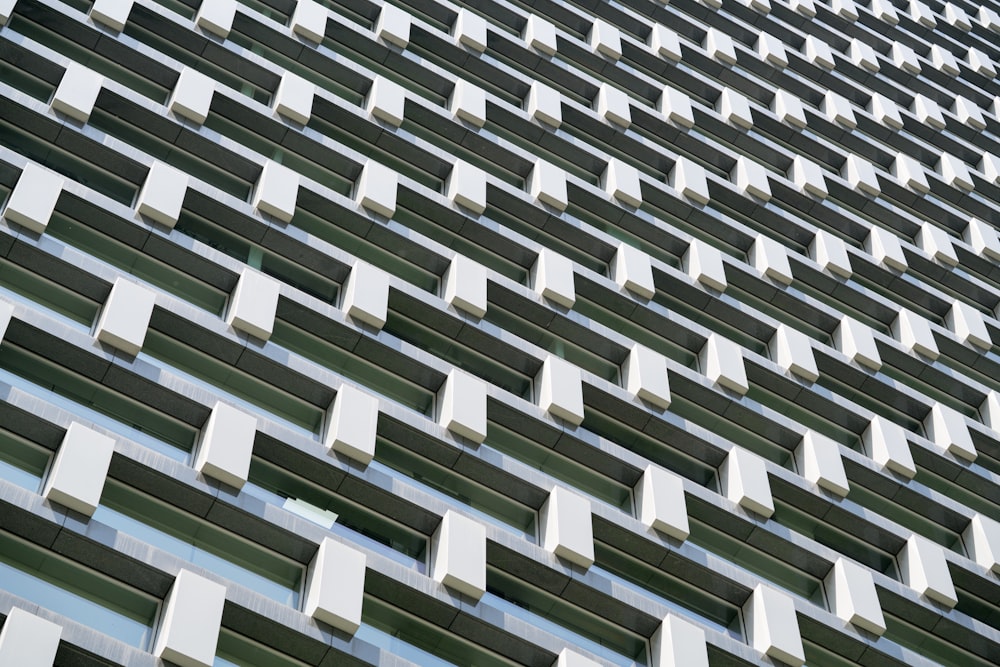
x=982, y=540
x=750, y=178
x=125, y=316
x=924, y=568
x=679, y=643
x=216, y=16
x=335, y=585
x=294, y=98
x=277, y=191
x=612, y=104
x=788, y=108
x=983, y=238
x=808, y=177
x=885, y=111
x=688, y=178
x=946, y=427
x=34, y=198
x=547, y=184
x=988, y=18
x=762, y=6
x=735, y=108
x=956, y=16
x=969, y=325
x=465, y=285
x=793, y=352
x=722, y=362
x=393, y=26
x=922, y=14
x=863, y=55
x=904, y=58
x=570, y=658
x=720, y=46
x=162, y=194
x=927, y=111
x=462, y=403
x=77, y=92
x=559, y=386
x=552, y=276
x=470, y=30
x=968, y=113
x=309, y=20
x=376, y=189
x=190, y=621
x=944, y=60
x=886, y=443
x=830, y=252
x=253, y=304
x=771, y=259
x=743, y=480
x=989, y=166
x=850, y=591
x=818, y=52
x=805, y=7
x=79, y=469
x=838, y=110
x=27, y=640
x=676, y=107
x=621, y=181
x=954, y=172
x=885, y=248
x=910, y=173
x=567, y=527
x=468, y=103
x=914, y=333
x=845, y=9
x=662, y=505
x=352, y=423
x=386, y=101
x=366, y=294
x=937, y=243
x=192, y=96
x=885, y=11
x=857, y=342
x=6, y=315
x=819, y=462
x=540, y=35
x=989, y=410
x=226, y=445
x=980, y=62
x=605, y=39
x=771, y=50
x=632, y=269
x=772, y=626
x=544, y=104
x=112, y=13
x=466, y=186
x=860, y=174
x=644, y=375
x=665, y=43
x=458, y=550
x=703, y=263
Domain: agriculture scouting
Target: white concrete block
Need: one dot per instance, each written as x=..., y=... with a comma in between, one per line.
x=253, y=304
x=34, y=198
x=968, y=113
x=771, y=259
x=605, y=39
x=762, y=6
x=192, y=96
x=465, y=285
x=111, y=13
x=386, y=101
x=376, y=189
x=772, y=626
x=470, y=30
x=734, y=108
x=819, y=462
x=612, y=104
x=216, y=16
x=540, y=35
x=77, y=92
x=922, y=14
x=743, y=480
x=885, y=111
x=956, y=16
x=570, y=658
x=937, y=243
x=771, y=50
x=676, y=107
x=703, y=263
x=462, y=403
x=393, y=26
x=466, y=186
x=679, y=643
x=818, y=52
x=125, y=317
x=910, y=173
x=190, y=621
x=366, y=294
x=720, y=46
x=567, y=528
x=792, y=351
x=468, y=103
x=226, y=445
x=927, y=111
x=830, y=252
x=621, y=181
x=27, y=640
x=458, y=550
x=750, y=178
x=924, y=568
x=885, y=11
x=914, y=333
x=644, y=375
x=904, y=58
x=838, y=110
x=850, y=591
x=309, y=20
x=885, y=248
x=980, y=62
x=351, y=424
x=688, y=178
x=982, y=540
x=988, y=18
x=885, y=442
x=294, y=98
x=79, y=468
x=969, y=325
x=983, y=238
x=989, y=410
x=989, y=166
x=277, y=191
x=631, y=269
x=714, y=4
x=788, y=108
x=722, y=362
x=559, y=386
x=162, y=194
x=6, y=10
x=857, y=342
x=845, y=9
x=335, y=586
x=547, y=184
x=863, y=55
x=943, y=60
x=954, y=172
x=808, y=177
x=544, y=104
x=661, y=502
x=946, y=428
x=861, y=175
x=6, y=314
x=552, y=276
x=665, y=43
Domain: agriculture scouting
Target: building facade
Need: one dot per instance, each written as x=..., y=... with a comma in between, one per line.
x=498, y=333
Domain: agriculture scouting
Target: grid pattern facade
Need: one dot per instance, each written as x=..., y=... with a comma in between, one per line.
x=495, y=333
